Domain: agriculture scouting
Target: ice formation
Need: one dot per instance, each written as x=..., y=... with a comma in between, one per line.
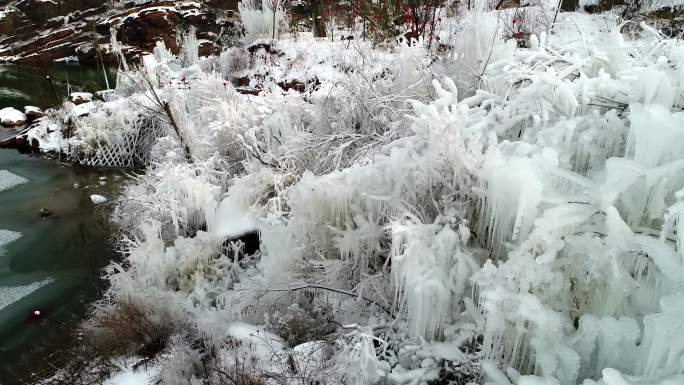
x=7, y=237
x=9, y=180
x=12, y=294
x=513, y=216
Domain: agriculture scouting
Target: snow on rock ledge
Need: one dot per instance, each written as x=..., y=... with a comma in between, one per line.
x=80, y=97
x=32, y=113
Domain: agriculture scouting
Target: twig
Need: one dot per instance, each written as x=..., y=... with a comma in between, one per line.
x=339, y=291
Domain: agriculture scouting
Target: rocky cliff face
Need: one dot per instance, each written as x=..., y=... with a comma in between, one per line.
x=37, y=32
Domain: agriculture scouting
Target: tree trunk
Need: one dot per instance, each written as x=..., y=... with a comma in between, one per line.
x=172, y=121
x=274, y=20
x=318, y=22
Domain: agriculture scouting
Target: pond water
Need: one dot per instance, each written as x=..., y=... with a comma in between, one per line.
x=47, y=87
x=50, y=264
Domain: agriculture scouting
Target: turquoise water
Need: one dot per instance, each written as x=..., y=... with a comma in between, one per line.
x=56, y=264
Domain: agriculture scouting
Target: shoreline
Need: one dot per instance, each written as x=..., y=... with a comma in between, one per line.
x=80, y=245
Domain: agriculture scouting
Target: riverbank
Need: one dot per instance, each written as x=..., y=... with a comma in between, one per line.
x=61, y=240
x=55, y=266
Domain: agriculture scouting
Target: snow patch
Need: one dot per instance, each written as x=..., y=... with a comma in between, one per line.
x=98, y=199
x=128, y=375
x=32, y=109
x=84, y=109
x=232, y=220
x=264, y=344
x=81, y=96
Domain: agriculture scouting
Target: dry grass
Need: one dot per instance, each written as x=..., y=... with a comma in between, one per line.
x=128, y=329
x=119, y=331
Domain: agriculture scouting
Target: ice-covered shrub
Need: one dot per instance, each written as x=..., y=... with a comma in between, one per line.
x=262, y=20
x=297, y=325
x=189, y=44
x=476, y=43
x=522, y=215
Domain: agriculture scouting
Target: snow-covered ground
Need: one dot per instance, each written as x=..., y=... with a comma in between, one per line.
x=479, y=213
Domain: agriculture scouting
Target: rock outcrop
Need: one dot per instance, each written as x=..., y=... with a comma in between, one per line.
x=36, y=32
x=10, y=117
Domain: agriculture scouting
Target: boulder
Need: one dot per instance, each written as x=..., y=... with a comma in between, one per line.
x=33, y=113
x=11, y=117
x=80, y=97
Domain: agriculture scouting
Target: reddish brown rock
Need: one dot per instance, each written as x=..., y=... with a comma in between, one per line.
x=32, y=114
x=38, y=32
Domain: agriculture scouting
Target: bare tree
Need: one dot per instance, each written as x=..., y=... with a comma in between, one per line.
x=159, y=108
x=275, y=6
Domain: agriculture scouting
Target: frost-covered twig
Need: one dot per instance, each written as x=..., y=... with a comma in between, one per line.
x=334, y=290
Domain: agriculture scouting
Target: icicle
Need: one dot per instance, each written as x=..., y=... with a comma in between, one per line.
x=513, y=194
x=663, y=341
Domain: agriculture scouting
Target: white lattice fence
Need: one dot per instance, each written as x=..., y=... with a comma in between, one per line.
x=131, y=150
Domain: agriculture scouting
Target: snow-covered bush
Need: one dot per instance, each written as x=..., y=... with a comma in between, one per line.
x=518, y=221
